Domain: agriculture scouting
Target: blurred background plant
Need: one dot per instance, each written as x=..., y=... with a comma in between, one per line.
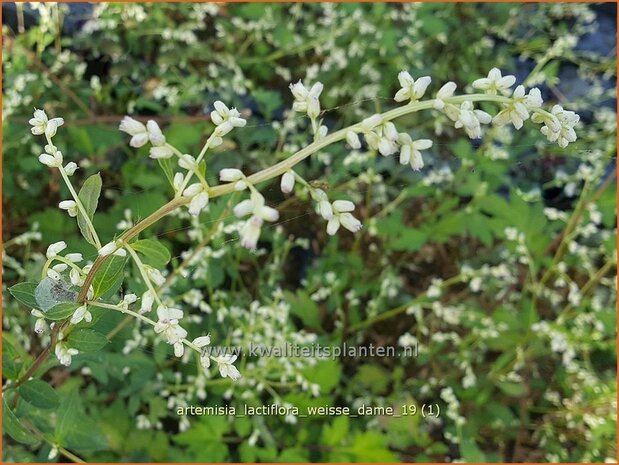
x=496, y=260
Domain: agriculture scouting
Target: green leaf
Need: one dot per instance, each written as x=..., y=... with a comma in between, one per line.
x=305, y=308
x=11, y=360
x=156, y=253
x=108, y=275
x=87, y=340
x=13, y=427
x=39, y=393
x=470, y=452
x=512, y=389
x=410, y=240
x=89, y=196
x=67, y=415
x=24, y=294
x=61, y=311
x=166, y=166
x=336, y=432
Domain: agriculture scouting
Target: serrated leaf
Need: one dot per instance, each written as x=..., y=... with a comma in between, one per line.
x=13, y=427
x=89, y=196
x=24, y=294
x=156, y=253
x=87, y=340
x=39, y=393
x=108, y=275
x=61, y=311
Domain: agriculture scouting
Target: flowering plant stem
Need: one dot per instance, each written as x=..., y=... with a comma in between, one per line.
x=264, y=175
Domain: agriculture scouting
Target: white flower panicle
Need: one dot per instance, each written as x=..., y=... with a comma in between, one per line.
x=142, y=134
x=495, y=82
x=411, y=89
x=199, y=198
x=517, y=111
x=410, y=153
x=226, y=369
x=41, y=124
x=52, y=157
x=81, y=313
x=467, y=117
x=226, y=119
x=255, y=205
x=306, y=101
x=558, y=125
x=168, y=326
x=341, y=216
x=40, y=325
x=64, y=353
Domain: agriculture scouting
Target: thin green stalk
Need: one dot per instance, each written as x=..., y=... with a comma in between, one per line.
x=145, y=277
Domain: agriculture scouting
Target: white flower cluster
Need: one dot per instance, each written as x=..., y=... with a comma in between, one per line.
x=337, y=213
x=226, y=119
x=254, y=206
x=41, y=124
x=142, y=134
x=306, y=101
x=384, y=137
x=558, y=125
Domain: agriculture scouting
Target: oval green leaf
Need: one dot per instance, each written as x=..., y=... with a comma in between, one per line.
x=14, y=428
x=24, y=294
x=61, y=311
x=108, y=276
x=89, y=196
x=39, y=393
x=87, y=340
x=155, y=253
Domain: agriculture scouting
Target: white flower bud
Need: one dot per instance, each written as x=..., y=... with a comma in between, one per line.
x=131, y=126
x=193, y=189
x=148, y=298
x=107, y=249
x=287, y=182
x=353, y=140
x=198, y=203
x=350, y=222
x=370, y=123
x=160, y=152
x=55, y=248
x=178, y=181
x=230, y=175
x=70, y=168
x=202, y=341
x=343, y=206
x=187, y=162
x=224, y=128
x=154, y=133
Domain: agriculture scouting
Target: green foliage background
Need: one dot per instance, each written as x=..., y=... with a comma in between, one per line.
x=539, y=360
